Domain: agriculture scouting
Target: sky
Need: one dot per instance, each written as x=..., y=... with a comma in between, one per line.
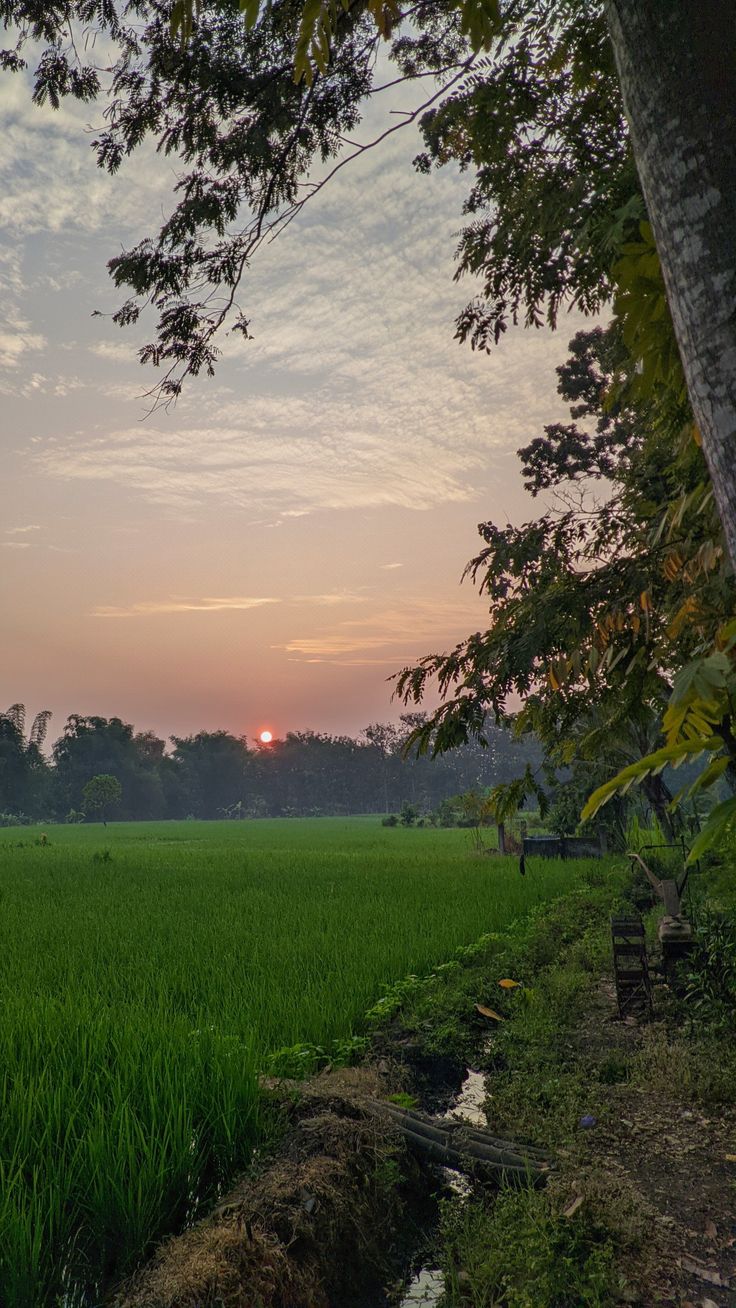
x=268, y=553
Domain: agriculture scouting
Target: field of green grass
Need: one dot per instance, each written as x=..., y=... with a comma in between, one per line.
x=147, y=972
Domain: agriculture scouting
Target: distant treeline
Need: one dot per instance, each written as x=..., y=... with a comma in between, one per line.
x=215, y=774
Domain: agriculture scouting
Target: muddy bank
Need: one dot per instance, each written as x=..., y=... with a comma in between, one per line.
x=329, y=1221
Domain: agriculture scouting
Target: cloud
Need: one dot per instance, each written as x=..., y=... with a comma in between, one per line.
x=388, y=567
x=332, y=598
x=15, y=544
x=403, y=630
x=352, y=396
x=46, y=153
x=16, y=340
x=20, y=531
x=392, y=662
x=285, y=455
x=148, y=608
x=117, y=351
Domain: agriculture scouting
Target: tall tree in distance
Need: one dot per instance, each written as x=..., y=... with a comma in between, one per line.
x=23, y=768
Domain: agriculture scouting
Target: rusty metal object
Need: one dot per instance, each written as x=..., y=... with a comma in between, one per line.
x=630, y=965
x=675, y=933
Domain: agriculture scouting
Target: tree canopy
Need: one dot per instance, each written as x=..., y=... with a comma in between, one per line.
x=215, y=774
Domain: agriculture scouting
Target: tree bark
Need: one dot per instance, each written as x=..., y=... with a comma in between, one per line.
x=677, y=67
x=660, y=797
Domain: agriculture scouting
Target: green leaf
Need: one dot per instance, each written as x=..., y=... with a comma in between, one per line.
x=652, y=763
x=718, y=821
x=701, y=677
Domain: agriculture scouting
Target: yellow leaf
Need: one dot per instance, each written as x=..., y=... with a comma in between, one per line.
x=696, y=434
x=508, y=984
x=489, y=1012
x=644, y=601
x=554, y=683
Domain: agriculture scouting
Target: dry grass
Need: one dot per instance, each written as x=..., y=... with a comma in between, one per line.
x=326, y=1204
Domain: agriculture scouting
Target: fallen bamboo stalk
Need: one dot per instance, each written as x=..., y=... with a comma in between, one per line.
x=453, y=1145
x=459, y=1127
x=459, y=1142
x=469, y=1162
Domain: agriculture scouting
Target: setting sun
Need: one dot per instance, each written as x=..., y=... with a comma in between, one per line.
x=265, y=737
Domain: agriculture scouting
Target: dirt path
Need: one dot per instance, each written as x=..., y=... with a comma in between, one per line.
x=679, y=1158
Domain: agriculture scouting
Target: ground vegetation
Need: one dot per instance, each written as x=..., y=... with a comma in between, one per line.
x=149, y=973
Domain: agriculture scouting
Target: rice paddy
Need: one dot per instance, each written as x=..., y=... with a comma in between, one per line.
x=147, y=973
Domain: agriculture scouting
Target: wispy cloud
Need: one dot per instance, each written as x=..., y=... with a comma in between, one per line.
x=331, y=599
x=17, y=340
x=403, y=630
x=21, y=531
x=42, y=152
x=15, y=544
x=116, y=351
x=388, y=567
x=149, y=608
x=392, y=662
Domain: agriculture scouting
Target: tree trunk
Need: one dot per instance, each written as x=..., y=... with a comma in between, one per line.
x=677, y=67
x=660, y=797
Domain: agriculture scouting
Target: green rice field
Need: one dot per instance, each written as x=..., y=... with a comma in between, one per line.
x=147, y=972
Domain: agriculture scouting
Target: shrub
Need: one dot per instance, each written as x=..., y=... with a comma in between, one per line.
x=409, y=814
x=391, y=820
x=711, y=972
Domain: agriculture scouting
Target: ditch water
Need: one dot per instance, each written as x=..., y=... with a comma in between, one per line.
x=426, y=1287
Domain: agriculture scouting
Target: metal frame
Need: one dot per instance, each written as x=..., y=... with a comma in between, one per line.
x=630, y=966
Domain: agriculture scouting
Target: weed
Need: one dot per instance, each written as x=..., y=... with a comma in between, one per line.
x=403, y=1100
x=710, y=993
x=523, y=1254
x=698, y=1071
x=614, y=1069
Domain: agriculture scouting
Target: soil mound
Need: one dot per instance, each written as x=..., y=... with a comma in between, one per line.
x=292, y=1235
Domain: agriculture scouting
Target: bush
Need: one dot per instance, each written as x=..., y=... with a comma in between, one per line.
x=391, y=820
x=409, y=814
x=711, y=971
x=12, y=820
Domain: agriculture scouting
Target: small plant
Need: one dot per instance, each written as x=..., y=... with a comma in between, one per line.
x=614, y=1069
x=295, y=1062
x=711, y=975
x=522, y=1252
x=102, y=856
x=479, y=811
x=403, y=1100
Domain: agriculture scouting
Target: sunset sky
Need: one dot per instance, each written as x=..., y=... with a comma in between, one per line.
x=269, y=552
